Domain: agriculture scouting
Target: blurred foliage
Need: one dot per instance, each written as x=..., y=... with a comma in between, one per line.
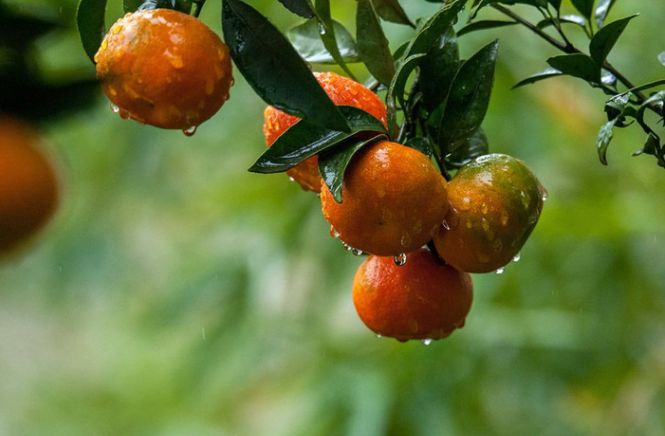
x=178, y=294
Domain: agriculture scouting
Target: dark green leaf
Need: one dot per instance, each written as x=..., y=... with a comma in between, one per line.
x=651, y=146
x=584, y=6
x=307, y=41
x=602, y=9
x=184, y=6
x=299, y=7
x=327, y=32
x=603, y=141
x=576, y=65
x=545, y=74
x=131, y=5
x=438, y=68
x=372, y=43
x=274, y=69
x=90, y=20
x=390, y=10
x=469, y=96
x=556, y=4
x=464, y=151
x=422, y=144
x=306, y=139
x=430, y=30
x=483, y=25
x=333, y=163
x=603, y=41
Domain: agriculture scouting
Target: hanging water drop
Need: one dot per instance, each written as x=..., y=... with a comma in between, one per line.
x=378, y=335
x=190, y=131
x=291, y=179
x=356, y=252
x=545, y=195
x=500, y=270
x=446, y=225
x=427, y=341
x=517, y=257
x=334, y=233
x=400, y=259
x=115, y=108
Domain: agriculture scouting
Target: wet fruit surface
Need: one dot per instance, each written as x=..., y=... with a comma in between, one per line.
x=423, y=299
x=343, y=92
x=495, y=203
x=394, y=199
x=164, y=68
x=28, y=185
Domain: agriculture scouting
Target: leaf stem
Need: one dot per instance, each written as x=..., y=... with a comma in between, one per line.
x=570, y=49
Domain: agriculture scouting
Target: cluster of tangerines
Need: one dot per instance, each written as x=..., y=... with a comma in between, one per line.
x=423, y=234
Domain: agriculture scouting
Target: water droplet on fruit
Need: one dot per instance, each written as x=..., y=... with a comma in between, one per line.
x=466, y=203
x=356, y=251
x=500, y=270
x=378, y=335
x=517, y=257
x=190, y=131
x=484, y=209
x=291, y=179
x=400, y=259
x=427, y=342
x=445, y=225
x=545, y=195
x=115, y=108
x=333, y=232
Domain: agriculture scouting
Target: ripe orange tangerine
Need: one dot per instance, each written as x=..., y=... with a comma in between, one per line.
x=423, y=299
x=343, y=92
x=495, y=203
x=165, y=68
x=28, y=185
x=393, y=200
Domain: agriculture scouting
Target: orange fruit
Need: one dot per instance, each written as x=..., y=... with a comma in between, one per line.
x=343, y=92
x=28, y=185
x=393, y=200
x=164, y=68
x=495, y=203
x=423, y=299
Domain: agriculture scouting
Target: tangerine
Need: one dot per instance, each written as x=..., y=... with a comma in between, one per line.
x=28, y=185
x=393, y=200
x=423, y=299
x=165, y=68
x=495, y=203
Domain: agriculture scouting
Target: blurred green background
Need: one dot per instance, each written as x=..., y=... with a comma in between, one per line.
x=177, y=294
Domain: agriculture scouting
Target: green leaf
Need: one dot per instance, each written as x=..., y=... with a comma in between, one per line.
x=327, y=32
x=464, y=151
x=545, y=74
x=602, y=9
x=603, y=41
x=390, y=10
x=90, y=20
x=307, y=41
x=299, y=7
x=584, y=6
x=576, y=65
x=274, y=69
x=469, y=96
x=483, y=25
x=306, y=139
x=438, y=69
x=396, y=88
x=430, y=30
x=373, y=44
x=651, y=146
x=333, y=163
x=603, y=141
